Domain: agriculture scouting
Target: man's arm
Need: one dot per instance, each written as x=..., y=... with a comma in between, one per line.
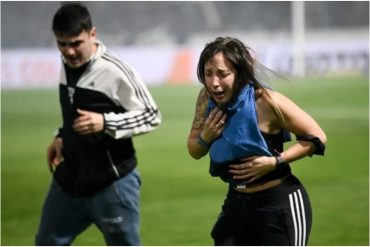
x=142, y=113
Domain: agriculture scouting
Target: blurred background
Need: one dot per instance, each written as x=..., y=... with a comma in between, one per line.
x=163, y=39
x=321, y=48
x=27, y=24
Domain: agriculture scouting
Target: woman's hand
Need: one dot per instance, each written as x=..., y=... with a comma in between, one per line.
x=252, y=168
x=214, y=125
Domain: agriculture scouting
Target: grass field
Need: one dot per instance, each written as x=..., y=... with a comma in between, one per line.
x=179, y=200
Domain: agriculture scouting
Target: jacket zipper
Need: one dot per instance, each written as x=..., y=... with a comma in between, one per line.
x=111, y=161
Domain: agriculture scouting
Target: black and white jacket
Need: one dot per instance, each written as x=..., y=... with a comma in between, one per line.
x=111, y=87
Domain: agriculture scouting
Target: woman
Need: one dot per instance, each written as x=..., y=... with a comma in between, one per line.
x=242, y=124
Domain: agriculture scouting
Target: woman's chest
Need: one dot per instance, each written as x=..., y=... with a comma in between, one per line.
x=266, y=117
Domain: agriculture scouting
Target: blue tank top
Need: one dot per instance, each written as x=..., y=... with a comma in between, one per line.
x=242, y=138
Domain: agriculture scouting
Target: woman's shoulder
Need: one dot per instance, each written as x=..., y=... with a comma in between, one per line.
x=279, y=98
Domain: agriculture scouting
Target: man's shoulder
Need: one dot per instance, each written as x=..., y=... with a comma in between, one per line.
x=109, y=63
x=106, y=57
x=111, y=60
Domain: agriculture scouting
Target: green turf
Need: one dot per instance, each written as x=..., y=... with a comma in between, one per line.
x=179, y=200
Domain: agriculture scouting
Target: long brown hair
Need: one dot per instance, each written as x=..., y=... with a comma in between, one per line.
x=239, y=55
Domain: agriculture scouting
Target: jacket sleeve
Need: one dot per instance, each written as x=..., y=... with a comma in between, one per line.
x=142, y=114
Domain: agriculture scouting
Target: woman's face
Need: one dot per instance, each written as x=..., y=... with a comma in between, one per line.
x=220, y=78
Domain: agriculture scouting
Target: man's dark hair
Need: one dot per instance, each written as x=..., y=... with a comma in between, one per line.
x=71, y=19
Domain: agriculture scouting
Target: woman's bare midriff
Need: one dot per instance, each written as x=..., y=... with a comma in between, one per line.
x=262, y=186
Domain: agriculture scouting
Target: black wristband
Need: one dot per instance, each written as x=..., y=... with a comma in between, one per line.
x=279, y=161
x=202, y=142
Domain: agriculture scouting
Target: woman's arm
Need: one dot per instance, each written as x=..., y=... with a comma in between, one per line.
x=296, y=121
x=204, y=131
x=196, y=150
x=300, y=123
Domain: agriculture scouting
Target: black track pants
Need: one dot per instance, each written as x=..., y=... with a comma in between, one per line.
x=278, y=216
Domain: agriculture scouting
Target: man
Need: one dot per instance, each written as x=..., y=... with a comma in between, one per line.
x=104, y=104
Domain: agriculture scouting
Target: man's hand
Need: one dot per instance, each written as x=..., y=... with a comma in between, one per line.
x=88, y=122
x=54, y=155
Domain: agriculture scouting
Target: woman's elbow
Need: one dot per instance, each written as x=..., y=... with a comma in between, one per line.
x=194, y=156
x=322, y=137
x=194, y=153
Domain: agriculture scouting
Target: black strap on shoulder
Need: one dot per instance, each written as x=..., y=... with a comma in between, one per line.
x=319, y=146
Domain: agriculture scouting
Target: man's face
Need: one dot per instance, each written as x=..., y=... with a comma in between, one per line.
x=78, y=49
